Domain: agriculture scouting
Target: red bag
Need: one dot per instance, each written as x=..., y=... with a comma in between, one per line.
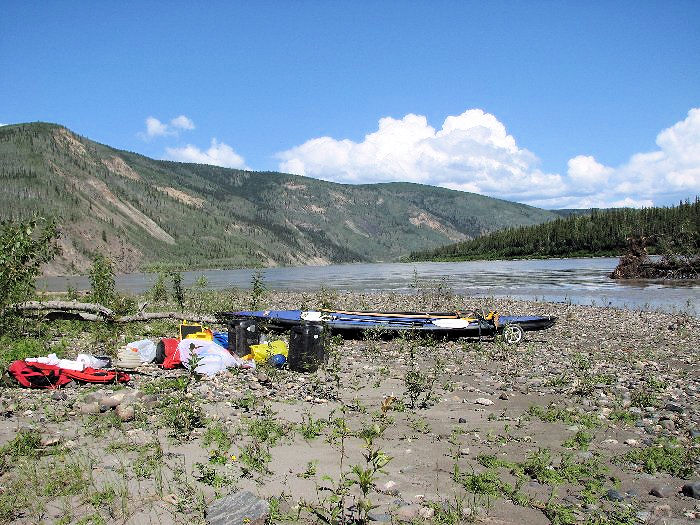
x=94, y=375
x=172, y=356
x=37, y=375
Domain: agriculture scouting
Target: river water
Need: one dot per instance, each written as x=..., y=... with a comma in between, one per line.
x=579, y=281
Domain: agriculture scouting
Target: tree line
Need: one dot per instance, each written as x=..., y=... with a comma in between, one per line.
x=600, y=233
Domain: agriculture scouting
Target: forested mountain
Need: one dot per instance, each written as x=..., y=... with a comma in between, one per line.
x=601, y=232
x=141, y=211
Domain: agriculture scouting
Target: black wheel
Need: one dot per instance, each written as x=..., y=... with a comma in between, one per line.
x=513, y=334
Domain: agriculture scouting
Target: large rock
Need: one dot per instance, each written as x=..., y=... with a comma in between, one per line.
x=239, y=508
x=692, y=489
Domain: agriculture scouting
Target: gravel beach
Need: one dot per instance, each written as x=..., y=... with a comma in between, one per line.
x=595, y=420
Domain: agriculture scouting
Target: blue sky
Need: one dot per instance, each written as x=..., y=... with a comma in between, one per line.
x=556, y=104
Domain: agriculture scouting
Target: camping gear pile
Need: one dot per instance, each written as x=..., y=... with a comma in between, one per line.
x=209, y=352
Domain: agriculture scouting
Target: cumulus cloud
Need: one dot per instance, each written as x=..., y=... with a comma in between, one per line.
x=474, y=152
x=156, y=128
x=182, y=122
x=218, y=154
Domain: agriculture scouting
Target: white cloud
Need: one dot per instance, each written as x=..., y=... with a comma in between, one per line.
x=182, y=122
x=156, y=128
x=1, y=124
x=474, y=152
x=471, y=152
x=586, y=172
x=218, y=154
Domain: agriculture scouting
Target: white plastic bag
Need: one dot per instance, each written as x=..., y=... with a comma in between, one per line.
x=146, y=349
x=90, y=361
x=211, y=357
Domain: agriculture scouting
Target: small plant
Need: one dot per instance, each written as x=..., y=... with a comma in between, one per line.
x=581, y=440
x=365, y=478
x=326, y=298
x=27, y=443
x=158, y=292
x=165, y=384
x=310, y=471
x=102, y=281
x=181, y=415
x=420, y=425
x=149, y=461
x=210, y=476
x=664, y=456
x=217, y=434
x=311, y=428
x=258, y=289
x=255, y=457
x=623, y=416
x=419, y=388
x=265, y=430
x=178, y=291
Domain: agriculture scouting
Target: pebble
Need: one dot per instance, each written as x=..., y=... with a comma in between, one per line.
x=668, y=424
x=631, y=442
x=662, y=510
x=426, y=513
x=108, y=403
x=462, y=420
x=407, y=513
x=661, y=491
x=692, y=489
x=673, y=407
x=239, y=507
x=58, y=395
x=389, y=488
x=50, y=441
x=126, y=412
x=90, y=408
x=614, y=495
x=483, y=401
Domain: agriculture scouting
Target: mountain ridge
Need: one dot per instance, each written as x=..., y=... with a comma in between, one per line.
x=143, y=212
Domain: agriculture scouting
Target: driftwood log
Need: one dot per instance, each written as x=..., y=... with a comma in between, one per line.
x=97, y=312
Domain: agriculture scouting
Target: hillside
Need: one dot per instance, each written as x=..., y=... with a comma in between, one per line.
x=142, y=211
x=667, y=230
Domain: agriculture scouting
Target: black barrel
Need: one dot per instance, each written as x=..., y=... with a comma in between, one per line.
x=306, y=350
x=242, y=333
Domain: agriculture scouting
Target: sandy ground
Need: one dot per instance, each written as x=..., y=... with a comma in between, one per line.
x=577, y=424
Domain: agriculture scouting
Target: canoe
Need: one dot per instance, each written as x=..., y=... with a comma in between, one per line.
x=453, y=324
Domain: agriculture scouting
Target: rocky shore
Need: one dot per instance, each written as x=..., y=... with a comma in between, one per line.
x=596, y=420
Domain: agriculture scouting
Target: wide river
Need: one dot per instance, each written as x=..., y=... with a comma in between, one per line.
x=579, y=281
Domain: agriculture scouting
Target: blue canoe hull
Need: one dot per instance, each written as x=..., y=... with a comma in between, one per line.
x=345, y=322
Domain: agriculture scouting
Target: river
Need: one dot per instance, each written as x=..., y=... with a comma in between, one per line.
x=579, y=281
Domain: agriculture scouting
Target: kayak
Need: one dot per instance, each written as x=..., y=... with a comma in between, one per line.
x=453, y=324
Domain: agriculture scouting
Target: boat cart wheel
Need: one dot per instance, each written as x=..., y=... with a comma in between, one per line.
x=513, y=334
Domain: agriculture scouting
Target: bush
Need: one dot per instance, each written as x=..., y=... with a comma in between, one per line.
x=102, y=281
x=24, y=247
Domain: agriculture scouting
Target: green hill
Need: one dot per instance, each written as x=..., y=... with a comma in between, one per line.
x=142, y=211
x=600, y=232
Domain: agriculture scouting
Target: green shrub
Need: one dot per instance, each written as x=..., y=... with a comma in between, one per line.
x=102, y=281
x=24, y=247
